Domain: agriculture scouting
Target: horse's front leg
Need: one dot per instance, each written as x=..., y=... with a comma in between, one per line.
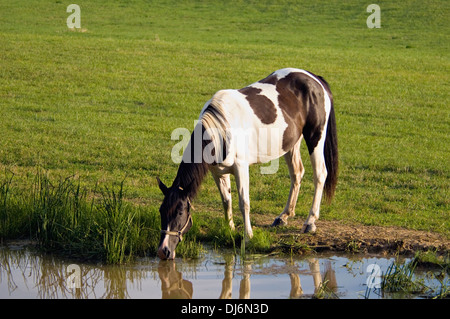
x=241, y=174
x=224, y=186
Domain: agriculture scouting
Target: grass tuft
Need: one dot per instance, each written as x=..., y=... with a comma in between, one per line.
x=400, y=278
x=62, y=217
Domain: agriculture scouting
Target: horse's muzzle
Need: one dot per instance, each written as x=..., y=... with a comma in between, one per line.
x=165, y=253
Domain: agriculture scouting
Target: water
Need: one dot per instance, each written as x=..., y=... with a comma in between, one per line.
x=24, y=273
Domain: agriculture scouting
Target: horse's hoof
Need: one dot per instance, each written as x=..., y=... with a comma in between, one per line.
x=279, y=222
x=309, y=228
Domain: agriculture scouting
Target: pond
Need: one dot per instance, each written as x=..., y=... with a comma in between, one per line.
x=25, y=273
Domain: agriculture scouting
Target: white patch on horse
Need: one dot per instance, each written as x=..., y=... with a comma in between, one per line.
x=266, y=140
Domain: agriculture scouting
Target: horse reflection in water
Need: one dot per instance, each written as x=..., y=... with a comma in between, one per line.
x=227, y=282
x=323, y=283
x=25, y=274
x=173, y=286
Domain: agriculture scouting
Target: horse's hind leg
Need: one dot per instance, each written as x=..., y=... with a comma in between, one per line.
x=224, y=186
x=296, y=172
x=320, y=175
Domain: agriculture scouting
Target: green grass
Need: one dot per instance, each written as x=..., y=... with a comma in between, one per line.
x=64, y=218
x=101, y=104
x=219, y=235
x=91, y=224
x=401, y=278
x=430, y=259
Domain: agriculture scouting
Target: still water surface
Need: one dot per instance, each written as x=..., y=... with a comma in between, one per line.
x=24, y=273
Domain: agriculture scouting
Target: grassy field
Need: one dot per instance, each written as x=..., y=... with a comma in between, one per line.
x=100, y=102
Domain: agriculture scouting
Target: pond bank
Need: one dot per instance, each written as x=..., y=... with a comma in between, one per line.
x=336, y=236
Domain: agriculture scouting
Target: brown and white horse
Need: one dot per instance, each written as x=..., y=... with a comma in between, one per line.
x=255, y=124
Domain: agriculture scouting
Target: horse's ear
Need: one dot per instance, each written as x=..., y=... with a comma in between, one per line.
x=162, y=187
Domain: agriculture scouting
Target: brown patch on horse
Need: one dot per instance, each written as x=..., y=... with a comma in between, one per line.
x=301, y=100
x=271, y=79
x=262, y=106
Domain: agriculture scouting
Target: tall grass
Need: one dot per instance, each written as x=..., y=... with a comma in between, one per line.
x=400, y=278
x=118, y=228
x=6, y=213
x=63, y=217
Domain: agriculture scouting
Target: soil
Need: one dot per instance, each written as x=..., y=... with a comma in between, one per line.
x=337, y=236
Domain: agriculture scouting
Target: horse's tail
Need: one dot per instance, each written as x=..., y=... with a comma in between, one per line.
x=331, y=155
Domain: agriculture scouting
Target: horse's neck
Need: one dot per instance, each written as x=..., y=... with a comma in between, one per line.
x=190, y=177
x=193, y=168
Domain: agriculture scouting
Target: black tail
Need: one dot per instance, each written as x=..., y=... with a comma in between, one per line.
x=331, y=155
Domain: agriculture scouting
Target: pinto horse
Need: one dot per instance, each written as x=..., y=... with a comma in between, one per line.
x=255, y=124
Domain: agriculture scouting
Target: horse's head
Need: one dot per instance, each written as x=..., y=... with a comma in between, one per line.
x=176, y=219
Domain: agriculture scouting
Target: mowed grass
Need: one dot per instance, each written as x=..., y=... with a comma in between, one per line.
x=101, y=103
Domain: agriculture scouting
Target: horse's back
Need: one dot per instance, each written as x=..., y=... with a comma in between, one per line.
x=267, y=118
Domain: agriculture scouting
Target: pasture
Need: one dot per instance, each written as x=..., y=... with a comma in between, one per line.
x=100, y=103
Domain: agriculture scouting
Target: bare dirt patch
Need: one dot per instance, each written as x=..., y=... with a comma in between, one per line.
x=337, y=236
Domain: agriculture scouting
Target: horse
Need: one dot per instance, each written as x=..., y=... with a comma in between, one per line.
x=256, y=124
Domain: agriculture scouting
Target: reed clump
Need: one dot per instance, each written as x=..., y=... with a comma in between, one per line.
x=63, y=217
x=400, y=278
